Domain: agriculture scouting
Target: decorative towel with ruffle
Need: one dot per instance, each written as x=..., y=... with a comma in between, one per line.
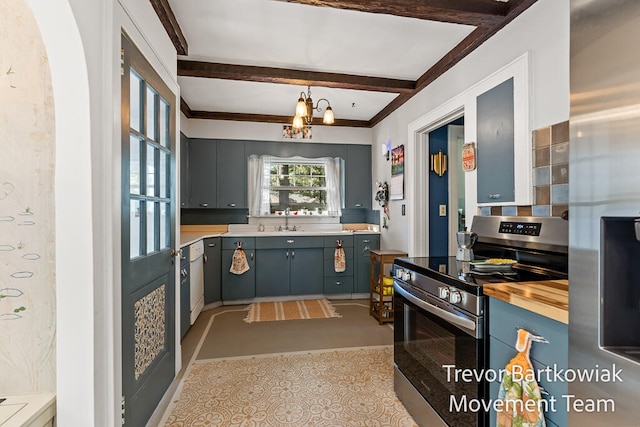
x=339, y=258
x=239, y=262
x=520, y=390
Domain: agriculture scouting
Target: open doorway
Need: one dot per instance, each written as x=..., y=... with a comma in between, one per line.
x=445, y=188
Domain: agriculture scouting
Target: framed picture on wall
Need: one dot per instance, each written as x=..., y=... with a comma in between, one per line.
x=396, y=191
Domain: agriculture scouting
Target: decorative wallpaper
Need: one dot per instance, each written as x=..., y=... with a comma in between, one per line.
x=150, y=336
x=27, y=240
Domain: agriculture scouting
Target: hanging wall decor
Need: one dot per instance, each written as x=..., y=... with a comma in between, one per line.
x=397, y=173
x=469, y=156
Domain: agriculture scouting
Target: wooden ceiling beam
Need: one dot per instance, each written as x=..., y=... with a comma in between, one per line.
x=468, y=12
x=264, y=118
x=214, y=70
x=171, y=26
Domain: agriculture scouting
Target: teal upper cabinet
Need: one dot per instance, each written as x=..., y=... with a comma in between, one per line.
x=495, y=145
x=232, y=175
x=184, y=171
x=358, y=177
x=202, y=173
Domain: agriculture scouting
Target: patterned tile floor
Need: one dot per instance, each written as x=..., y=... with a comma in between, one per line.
x=343, y=387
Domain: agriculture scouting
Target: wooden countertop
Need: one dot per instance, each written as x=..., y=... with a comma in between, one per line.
x=549, y=298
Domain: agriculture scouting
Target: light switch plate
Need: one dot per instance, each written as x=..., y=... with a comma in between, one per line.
x=443, y=210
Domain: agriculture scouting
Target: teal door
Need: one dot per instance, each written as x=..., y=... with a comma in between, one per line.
x=148, y=225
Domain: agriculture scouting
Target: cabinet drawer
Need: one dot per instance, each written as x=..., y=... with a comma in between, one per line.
x=504, y=318
x=331, y=241
x=285, y=242
x=329, y=253
x=329, y=268
x=247, y=242
x=338, y=285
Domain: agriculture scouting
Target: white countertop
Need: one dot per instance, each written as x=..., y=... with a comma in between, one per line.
x=27, y=410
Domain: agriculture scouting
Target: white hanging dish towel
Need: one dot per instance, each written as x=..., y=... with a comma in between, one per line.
x=239, y=262
x=339, y=258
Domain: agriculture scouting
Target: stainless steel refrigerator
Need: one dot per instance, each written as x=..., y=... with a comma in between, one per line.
x=604, y=177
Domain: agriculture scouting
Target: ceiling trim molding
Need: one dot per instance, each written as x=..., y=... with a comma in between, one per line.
x=469, y=12
x=213, y=70
x=171, y=26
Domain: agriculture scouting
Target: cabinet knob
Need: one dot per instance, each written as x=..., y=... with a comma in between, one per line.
x=212, y=245
x=366, y=241
x=290, y=241
x=231, y=205
x=358, y=205
x=338, y=282
x=495, y=196
x=204, y=205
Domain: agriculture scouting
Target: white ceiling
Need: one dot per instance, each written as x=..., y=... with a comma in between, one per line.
x=287, y=35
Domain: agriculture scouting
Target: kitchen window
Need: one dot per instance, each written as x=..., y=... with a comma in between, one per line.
x=305, y=185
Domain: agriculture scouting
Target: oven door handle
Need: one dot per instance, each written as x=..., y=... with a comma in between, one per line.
x=449, y=317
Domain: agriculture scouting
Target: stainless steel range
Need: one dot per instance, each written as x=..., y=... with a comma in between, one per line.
x=440, y=315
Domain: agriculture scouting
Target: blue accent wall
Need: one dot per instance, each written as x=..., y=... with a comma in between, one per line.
x=439, y=194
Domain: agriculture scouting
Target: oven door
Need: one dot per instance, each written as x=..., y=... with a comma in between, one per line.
x=429, y=344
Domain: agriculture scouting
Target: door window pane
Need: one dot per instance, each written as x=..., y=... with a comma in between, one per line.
x=164, y=176
x=135, y=83
x=164, y=123
x=164, y=225
x=134, y=165
x=151, y=113
x=151, y=227
x=134, y=229
x=151, y=170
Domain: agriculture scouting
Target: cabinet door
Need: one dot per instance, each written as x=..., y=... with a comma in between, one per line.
x=184, y=171
x=307, y=271
x=272, y=267
x=364, y=244
x=202, y=173
x=495, y=151
x=358, y=177
x=236, y=286
x=212, y=270
x=232, y=175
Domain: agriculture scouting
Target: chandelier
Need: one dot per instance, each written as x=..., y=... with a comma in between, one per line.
x=305, y=109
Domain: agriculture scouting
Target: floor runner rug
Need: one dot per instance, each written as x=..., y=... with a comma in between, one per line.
x=345, y=387
x=290, y=310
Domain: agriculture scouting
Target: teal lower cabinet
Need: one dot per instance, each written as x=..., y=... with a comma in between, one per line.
x=238, y=286
x=547, y=359
x=289, y=266
x=364, y=243
x=212, y=270
x=338, y=283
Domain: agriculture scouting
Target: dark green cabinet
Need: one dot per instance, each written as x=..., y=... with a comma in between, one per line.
x=495, y=145
x=238, y=286
x=231, y=175
x=202, y=173
x=212, y=270
x=334, y=282
x=289, y=265
x=364, y=243
x=184, y=171
x=358, y=177
x=185, y=294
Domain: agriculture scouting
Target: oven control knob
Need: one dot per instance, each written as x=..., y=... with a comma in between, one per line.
x=455, y=297
x=443, y=291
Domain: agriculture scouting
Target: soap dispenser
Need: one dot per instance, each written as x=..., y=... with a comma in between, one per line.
x=261, y=227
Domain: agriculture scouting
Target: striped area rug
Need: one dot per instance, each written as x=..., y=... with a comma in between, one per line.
x=290, y=310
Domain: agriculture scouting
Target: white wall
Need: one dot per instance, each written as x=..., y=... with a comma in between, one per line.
x=543, y=32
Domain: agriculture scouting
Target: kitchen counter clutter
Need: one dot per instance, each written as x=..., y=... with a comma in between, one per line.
x=549, y=298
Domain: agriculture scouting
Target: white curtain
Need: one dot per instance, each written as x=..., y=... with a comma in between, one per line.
x=259, y=180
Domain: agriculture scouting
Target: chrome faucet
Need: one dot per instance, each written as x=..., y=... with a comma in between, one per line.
x=286, y=219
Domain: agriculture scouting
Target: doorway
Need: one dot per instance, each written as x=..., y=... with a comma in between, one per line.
x=446, y=192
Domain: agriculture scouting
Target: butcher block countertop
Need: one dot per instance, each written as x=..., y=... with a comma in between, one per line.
x=549, y=298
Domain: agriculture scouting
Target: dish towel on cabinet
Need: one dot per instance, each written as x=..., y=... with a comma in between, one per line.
x=339, y=258
x=520, y=388
x=239, y=262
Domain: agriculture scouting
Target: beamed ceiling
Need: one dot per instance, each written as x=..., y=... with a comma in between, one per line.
x=248, y=60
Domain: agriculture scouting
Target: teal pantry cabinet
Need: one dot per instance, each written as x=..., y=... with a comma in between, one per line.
x=202, y=173
x=289, y=265
x=358, y=177
x=504, y=318
x=238, y=286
